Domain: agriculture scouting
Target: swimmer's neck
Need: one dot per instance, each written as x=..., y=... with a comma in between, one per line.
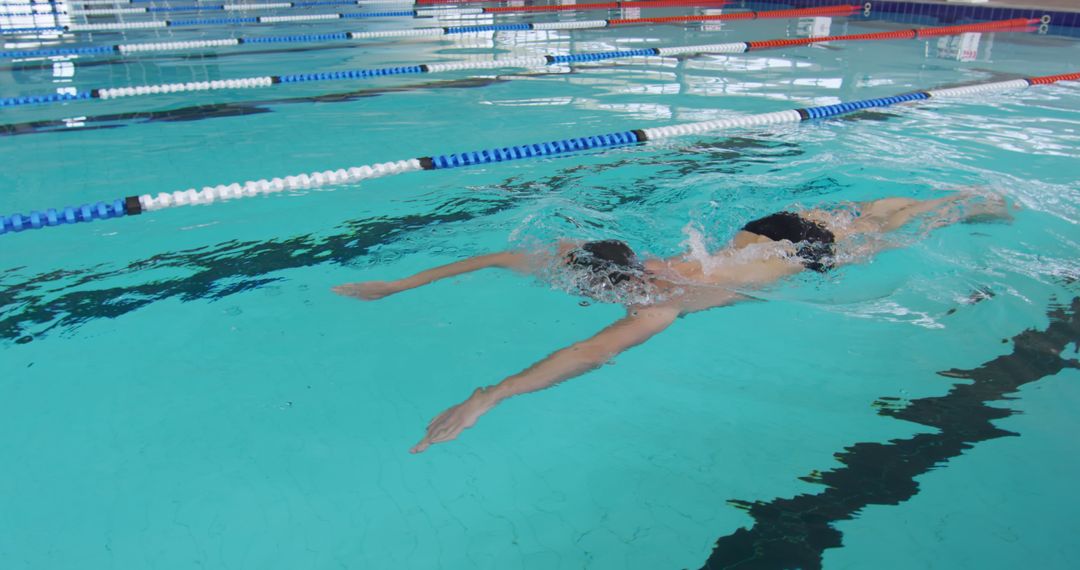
x=744, y=238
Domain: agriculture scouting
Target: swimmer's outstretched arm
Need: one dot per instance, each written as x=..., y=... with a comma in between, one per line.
x=577, y=359
x=371, y=290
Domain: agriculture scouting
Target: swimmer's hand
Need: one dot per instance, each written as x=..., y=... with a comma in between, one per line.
x=449, y=424
x=368, y=290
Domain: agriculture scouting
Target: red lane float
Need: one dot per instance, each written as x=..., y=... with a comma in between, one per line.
x=902, y=34
x=1048, y=79
x=982, y=27
x=841, y=10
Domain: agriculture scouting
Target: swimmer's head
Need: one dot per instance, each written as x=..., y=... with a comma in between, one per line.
x=605, y=267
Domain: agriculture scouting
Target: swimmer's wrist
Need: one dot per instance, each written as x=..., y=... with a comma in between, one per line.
x=495, y=393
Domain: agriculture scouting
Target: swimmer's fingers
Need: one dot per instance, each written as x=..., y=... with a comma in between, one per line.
x=422, y=445
x=349, y=290
x=449, y=424
x=439, y=432
x=440, y=417
x=985, y=192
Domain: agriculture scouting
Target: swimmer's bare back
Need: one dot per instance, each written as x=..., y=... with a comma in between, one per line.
x=694, y=290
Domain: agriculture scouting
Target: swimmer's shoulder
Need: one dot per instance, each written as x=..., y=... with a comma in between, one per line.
x=565, y=246
x=532, y=261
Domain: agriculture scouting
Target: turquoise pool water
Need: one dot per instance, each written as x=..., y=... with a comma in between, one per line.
x=182, y=390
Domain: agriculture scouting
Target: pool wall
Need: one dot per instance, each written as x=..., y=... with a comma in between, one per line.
x=1061, y=22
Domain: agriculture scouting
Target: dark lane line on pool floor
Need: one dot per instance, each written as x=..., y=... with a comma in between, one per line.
x=219, y=271
x=795, y=532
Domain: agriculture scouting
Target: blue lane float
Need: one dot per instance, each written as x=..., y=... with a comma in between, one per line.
x=45, y=98
x=133, y=205
x=841, y=108
x=519, y=152
x=353, y=74
x=70, y=215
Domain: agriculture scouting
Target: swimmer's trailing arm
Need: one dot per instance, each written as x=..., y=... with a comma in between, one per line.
x=586, y=355
x=371, y=290
x=561, y=365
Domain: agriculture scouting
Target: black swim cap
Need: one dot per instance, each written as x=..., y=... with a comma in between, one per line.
x=612, y=259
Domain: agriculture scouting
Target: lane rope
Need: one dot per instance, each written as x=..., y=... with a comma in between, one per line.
x=90, y=7
x=133, y=205
x=415, y=13
x=95, y=7
x=90, y=10
x=432, y=32
x=1018, y=24
x=157, y=24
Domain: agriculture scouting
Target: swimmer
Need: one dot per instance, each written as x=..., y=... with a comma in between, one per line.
x=763, y=252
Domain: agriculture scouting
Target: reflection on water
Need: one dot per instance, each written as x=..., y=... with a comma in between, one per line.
x=716, y=25
x=816, y=27
x=964, y=47
x=23, y=14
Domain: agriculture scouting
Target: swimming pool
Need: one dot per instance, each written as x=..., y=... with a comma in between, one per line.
x=180, y=389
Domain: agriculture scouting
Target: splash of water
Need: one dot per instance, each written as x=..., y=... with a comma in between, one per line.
x=729, y=259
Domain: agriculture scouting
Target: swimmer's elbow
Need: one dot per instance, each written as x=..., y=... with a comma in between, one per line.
x=592, y=355
x=626, y=334
x=589, y=355
x=516, y=260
